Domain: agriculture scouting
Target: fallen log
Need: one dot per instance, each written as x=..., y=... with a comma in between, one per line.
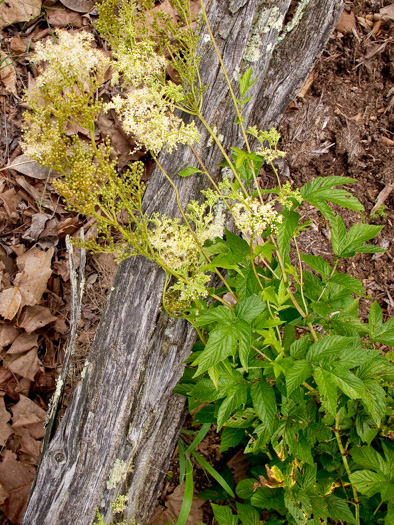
x=120, y=429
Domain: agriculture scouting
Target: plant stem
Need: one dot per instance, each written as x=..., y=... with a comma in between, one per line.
x=347, y=468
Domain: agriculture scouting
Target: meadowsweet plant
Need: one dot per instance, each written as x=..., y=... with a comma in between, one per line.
x=284, y=366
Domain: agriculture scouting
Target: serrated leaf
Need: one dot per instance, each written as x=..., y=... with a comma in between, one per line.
x=351, y=385
x=264, y=403
x=231, y=403
x=189, y=171
x=286, y=230
x=328, y=348
x=223, y=515
x=250, y=308
x=374, y=400
x=299, y=348
x=247, y=514
x=231, y=437
x=349, y=282
x=244, y=335
x=296, y=374
x=339, y=510
x=370, y=483
x=238, y=246
x=318, y=264
x=328, y=391
x=222, y=343
x=367, y=458
x=219, y=314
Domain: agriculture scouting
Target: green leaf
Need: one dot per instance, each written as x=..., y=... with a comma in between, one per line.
x=298, y=348
x=338, y=510
x=200, y=436
x=296, y=374
x=238, y=246
x=318, y=264
x=244, y=488
x=367, y=458
x=219, y=314
x=222, y=343
x=286, y=230
x=328, y=348
x=250, y=308
x=374, y=400
x=338, y=235
x=349, y=282
x=231, y=437
x=351, y=385
x=379, y=331
x=348, y=244
x=327, y=389
x=264, y=402
x=223, y=515
x=320, y=190
x=244, y=335
x=187, y=496
x=245, y=83
x=205, y=465
x=189, y=171
x=370, y=483
x=247, y=514
x=231, y=403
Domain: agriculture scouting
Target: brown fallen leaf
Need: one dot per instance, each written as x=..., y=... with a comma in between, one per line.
x=81, y=6
x=7, y=73
x=173, y=506
x=28, y=414
x=29, y=445
x=25, y=365
x=36, y=270
x=37, y=226
x=8, y=334
x=35, y=317
x=16, y=478
x=18, y=45
x=10, y=201
x=3, y=494
x=347, y=22
x=23, y=343
x=23, y=164
x=5, y=428
x=64, y=18
x=10, y=301
x=13, y=11
x=386, y=13
x=387, y=142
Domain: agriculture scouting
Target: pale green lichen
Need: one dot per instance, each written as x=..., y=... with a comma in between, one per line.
x=296, y=18
x=265, y=21
x=118, y=474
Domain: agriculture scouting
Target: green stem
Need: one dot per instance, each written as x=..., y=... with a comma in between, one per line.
x=347, y=468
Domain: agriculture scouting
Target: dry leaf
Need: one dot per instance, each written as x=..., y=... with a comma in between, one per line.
x=174, y=504
x=7, y=72
x=13, y=11
x=5, y=427
x=37, y=226
x=25, y=365
x=18, y=45
x=28, y=414
x=16, y=478
x=36, y=270
x=10, y=202
x=8, y=334
x=387, y=142
x=23, y=343
x=387, y=13
x=10, y=301
x=23, y=164
x=35, y=317
x=347, y=22
x=28, y=445
x=63, y=18
x=82, y=6
x=3, y=494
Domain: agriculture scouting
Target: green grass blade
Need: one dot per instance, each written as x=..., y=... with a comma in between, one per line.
x=200, y=436
x=188, y=494
x=222, y=482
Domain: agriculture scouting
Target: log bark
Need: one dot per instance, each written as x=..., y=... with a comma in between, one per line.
x=120, y=429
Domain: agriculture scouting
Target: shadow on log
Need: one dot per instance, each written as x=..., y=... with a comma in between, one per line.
x=120, y=430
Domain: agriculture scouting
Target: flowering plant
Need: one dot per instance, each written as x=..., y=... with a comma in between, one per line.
x=283, y=365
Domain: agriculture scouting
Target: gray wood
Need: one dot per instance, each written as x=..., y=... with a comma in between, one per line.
x=123, y=411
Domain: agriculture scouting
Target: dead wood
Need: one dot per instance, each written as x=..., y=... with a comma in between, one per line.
x=123, y=411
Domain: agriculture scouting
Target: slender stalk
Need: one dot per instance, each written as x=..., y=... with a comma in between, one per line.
x=347, y=468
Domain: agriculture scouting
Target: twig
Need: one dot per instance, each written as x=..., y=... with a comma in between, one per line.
x=383, y=195
x=77, y=289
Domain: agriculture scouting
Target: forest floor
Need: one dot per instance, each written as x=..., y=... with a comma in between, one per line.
x=342, y=123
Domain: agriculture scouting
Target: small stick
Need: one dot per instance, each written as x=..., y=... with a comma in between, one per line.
x=77, y=289
x=383, y=195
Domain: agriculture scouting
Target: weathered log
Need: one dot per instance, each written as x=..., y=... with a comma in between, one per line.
x=120, y=429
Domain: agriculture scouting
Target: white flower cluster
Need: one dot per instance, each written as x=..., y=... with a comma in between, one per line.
x=72, y=55
x=149, y=116
x=252, y=217
x=138, y=63
x=287, y=193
